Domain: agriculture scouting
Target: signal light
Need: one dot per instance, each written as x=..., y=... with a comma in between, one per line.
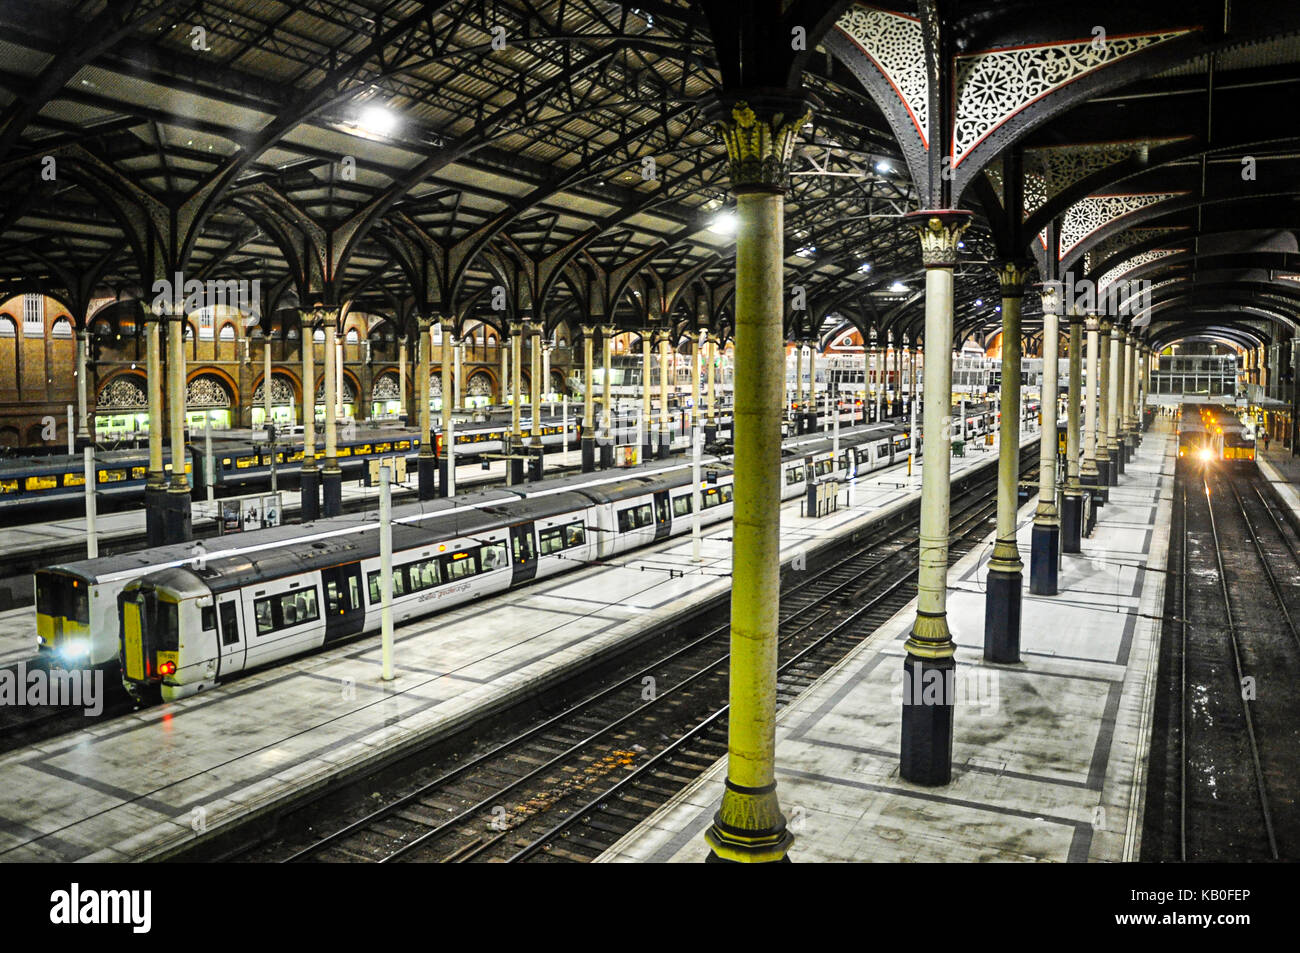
x=167, y=668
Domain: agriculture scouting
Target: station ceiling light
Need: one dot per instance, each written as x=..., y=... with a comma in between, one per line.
x=377, y=120
x=898, y=287
x=724, y=223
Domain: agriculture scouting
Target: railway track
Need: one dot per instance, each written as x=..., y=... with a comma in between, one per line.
x=568, y=787
x=1232, y=768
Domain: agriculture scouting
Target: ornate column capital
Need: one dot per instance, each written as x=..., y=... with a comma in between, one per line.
x=1012, y=276
x=1092, y=323
x=1051, y=299
x=760, y=133
x=939, y=231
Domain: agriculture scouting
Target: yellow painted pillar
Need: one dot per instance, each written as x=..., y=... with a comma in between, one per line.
x=588, y=401
x=749, y=826
x=928, y=670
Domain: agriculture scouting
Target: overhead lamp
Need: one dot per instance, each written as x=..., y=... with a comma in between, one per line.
x=864, y=268
x=898, y=287
x=724, y=223
x=978, y=302
x=377, y=120
x=884, y=167
x=807, y=251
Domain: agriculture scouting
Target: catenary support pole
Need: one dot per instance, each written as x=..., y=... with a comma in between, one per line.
x=386, y=570
x=92, y=534
x=588, y=401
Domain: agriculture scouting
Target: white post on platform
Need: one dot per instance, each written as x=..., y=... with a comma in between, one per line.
x=92, y=538
x=961, y=434
x=386, y=569
x=697, y=448
x=835, y=428
x=209, y=470
x=564, y=423
x=449, y=440
x=72, y=433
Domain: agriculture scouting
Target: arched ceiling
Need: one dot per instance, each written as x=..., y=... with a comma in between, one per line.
x=409, y=156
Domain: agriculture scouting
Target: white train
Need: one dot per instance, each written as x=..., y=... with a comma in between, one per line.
x=186, y=628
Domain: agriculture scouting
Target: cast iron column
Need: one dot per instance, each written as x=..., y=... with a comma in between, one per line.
x=711, y=423
x=309, y=478
x=331, y=474
x=1006, y=571
x=588, y=399
x=665, y=415
x=155, y=490
x=1072, y=501
x=445, y=326
x=607, y=398
x=1115, y=372
x=926, y=748
x=427, y=461
x=1044, y=552
x=1105, y=462
x=749, y=825
x=178, y=491
x=647, y=443
x=1090, y=474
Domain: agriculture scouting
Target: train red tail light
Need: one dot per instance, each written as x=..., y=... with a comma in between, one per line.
x=167, y=668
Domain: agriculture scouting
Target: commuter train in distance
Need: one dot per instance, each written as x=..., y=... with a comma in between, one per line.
x=1212, y=435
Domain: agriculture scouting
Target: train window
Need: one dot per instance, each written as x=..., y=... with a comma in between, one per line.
x=550, y=541
x=459, y=566
x=794, y=475
x=823, y=467
x=725, y=490
x=424, y=574
x=399, y=585
x=42, y=482
x=8, y=486
x=493, y=556
x=882, y=452
x=209, y=616
x=137, y=473
x=575, y=534
x=523, y=546
x=289, y=608
x=711, y=498
x=627, y=520
x=111, y=476
x=681, y=506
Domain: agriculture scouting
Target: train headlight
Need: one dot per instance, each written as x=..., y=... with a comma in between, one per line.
x=73, y=649
x=1206, y=454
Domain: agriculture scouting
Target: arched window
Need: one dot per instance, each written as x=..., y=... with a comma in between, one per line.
x=7, y=329
x=318, y=336
x=227, y=332
x=351, y=337
x=62, y=329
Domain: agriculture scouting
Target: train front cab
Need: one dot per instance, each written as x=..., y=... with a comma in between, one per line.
x=63, y=616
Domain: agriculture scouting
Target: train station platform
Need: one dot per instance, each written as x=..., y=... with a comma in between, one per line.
x=1282, y=470
x=1049, y=757
x=149, y=784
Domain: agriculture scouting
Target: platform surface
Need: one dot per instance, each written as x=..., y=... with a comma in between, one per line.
x=1049, y=755
x=146, y=784
x=1283, y=471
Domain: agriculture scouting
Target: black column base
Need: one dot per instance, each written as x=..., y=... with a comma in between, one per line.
x=427, y=469
x=810, y=422
x=1120, y=462
x=607, y=455
x=1072, y=524
x=1091, y=510
x=647, y=451
x=665, y=449
x=710, y=433
x=537, y=464
x=1045, y=559
x=176, y=516
x=155, y=515
x=309, y=487
x=1002, y=617
x=588, y=454
x=1105, y=480
x=444, y=485
x=331, y=483
x=925, y=751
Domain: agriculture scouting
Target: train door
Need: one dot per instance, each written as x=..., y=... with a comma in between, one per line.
x=523, y=552
x=232, y=647
x=663, y=515
x=345, y=613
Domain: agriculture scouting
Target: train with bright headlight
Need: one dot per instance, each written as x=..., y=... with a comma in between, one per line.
x=1212, y=435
